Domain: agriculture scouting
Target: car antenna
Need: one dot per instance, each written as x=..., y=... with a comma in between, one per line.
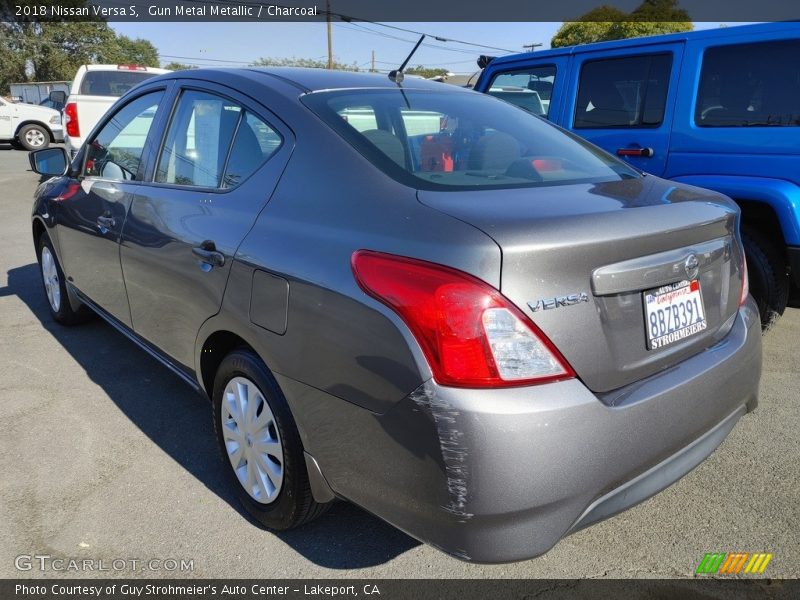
x=397, y=75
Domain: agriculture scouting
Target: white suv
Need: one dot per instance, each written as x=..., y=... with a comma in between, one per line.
x=94, y=90
x=29, y=126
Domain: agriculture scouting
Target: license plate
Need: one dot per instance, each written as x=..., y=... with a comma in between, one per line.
x=673, y=313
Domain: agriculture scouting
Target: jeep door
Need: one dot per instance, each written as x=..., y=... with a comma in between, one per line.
x=219, y=162
x=624, y=102
x=93, y=210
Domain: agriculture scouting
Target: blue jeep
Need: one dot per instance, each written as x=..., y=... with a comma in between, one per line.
x=718, y=109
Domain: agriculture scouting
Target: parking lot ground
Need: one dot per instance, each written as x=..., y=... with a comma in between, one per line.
x=104, y=454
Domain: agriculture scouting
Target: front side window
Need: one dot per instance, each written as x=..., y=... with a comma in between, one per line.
x=529, y=88
x=213, y=142
x=461, y=140
x=623, y=92
x=750, y=85
x=116, y=151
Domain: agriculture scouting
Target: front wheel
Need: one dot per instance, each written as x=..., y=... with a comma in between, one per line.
x=769, y=279
x=54, y=287
x=34, y=137
x=260, y=444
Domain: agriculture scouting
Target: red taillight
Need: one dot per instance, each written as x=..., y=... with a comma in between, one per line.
x=745, y=282
x=69, y=192
x=131, y=68
x=471, y=335
x=71, y=120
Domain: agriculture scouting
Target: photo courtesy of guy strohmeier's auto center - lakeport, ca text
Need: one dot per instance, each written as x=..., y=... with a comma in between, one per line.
x=341, y=298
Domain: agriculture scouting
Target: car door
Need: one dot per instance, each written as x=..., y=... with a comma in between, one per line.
x=90, y=220
x=624, y=102
x=220, y=160
x=6, y=128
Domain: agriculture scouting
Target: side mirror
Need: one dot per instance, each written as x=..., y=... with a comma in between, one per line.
x=52, y=162
x=58, y=96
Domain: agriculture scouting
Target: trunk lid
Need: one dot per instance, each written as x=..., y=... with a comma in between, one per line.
x=611, y=241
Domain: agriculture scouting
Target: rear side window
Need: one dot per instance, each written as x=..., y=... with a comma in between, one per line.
x=623, y=92
x=213, y=142
x=529, y=88
x=111, y=83
x=750, y=85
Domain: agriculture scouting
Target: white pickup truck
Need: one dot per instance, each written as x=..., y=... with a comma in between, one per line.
x=94, y=90
x=29, y=126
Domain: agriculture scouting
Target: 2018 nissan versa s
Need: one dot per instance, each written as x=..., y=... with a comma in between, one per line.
x=417, y=298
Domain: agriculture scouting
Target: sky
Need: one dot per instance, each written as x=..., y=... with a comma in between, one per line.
x=237, y=44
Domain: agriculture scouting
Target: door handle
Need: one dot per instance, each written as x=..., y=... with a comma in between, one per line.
x=643, y=152
x=207, y=253
x=105, y=223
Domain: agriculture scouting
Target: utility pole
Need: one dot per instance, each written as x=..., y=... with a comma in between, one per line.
x=372, y=70
x=531, y=47
x=330, y=35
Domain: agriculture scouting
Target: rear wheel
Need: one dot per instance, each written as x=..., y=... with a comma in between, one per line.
x=55, y=288
x=769, y=279
x=34, y=137
x=260, y=444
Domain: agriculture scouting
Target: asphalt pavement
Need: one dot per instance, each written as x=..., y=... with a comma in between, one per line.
x=105, y=455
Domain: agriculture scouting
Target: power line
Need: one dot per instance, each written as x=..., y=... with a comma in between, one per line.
x=350, y=19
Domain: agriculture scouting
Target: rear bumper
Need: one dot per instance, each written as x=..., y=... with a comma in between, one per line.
x=502, y=475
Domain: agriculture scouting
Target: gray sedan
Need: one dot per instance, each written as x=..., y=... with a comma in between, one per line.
x=409, y=296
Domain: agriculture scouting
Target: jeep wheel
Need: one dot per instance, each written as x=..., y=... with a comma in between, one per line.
x=769, y=280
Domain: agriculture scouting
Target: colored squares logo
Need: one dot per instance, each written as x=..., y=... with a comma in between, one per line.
x=733, y=563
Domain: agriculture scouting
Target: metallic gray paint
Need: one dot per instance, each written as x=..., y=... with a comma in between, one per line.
x=485, y=475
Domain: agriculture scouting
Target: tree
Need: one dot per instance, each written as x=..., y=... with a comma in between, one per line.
x=31, y=50
x=604, y=23
x=426, y=72
x=302, y=62
x=123, y=50
x=176, y=66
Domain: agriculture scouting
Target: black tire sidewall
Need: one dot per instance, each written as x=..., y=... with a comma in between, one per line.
x=767, y=276
x=285, y=511
x=26, y=129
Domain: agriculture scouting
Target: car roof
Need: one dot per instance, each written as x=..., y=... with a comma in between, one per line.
x=315, y=80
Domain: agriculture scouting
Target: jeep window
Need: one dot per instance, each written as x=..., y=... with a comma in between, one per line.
x=461, y=140
x=529, y=88
x=116, y=151
x=624, y=92
x=750, y=85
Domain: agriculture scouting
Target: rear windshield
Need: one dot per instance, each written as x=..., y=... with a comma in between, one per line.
x=459, y=140
x=111, y=83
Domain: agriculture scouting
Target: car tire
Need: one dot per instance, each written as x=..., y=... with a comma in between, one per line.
x=277, y=502
x=34, y=137
x=768, y=276
x=53, y=282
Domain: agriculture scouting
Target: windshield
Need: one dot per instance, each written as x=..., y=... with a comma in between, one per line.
x=457, y=140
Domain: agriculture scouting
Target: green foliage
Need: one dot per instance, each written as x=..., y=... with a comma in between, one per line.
x=176, y=66
x=53, y=51
x=126, y=51
x=651, y=17
x=425, y=72
x=303, y=62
